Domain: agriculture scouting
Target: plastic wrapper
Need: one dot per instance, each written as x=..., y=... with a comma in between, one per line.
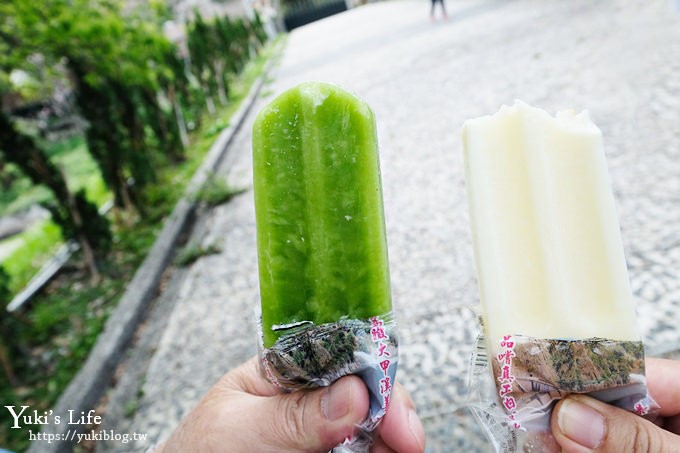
x=515, y=390
x=308, y=356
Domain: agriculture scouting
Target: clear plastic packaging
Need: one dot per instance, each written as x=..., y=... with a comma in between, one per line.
x=514, y=391
x=310, y=356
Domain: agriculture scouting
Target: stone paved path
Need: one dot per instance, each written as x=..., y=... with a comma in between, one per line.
x=618, y=59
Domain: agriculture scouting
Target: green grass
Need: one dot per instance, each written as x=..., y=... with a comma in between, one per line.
x=56, y=332
x=216, y=191
x=21, y=195
x=39, y=243
x=83, y=172
x=191, y=253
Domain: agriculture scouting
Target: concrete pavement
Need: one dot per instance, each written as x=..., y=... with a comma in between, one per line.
x=618, y=59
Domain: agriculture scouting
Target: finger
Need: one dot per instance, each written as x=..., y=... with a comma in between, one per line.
x=303, y=421
x=248, y=378
x=664, y=385
x=583, y=424
x=379, y=446
x=309, y=421
x=401, y=429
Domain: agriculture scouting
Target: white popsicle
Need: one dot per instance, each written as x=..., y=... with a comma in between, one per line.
x=548, y=249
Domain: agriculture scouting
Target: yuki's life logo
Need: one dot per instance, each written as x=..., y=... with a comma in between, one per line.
x=23, y=416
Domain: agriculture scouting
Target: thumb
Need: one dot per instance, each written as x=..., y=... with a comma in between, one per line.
x=584, y=424
x=313, y=421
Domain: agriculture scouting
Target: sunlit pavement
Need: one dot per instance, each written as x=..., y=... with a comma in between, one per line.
x=618, y=59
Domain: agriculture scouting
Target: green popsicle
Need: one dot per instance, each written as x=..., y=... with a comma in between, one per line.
x=321, y=243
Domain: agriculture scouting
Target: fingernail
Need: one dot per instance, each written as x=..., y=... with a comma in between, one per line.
x=416, y=428
x=337, y=400
x=581, y=423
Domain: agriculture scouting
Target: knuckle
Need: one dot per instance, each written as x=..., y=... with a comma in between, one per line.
x=292, y=429
x=641, y=439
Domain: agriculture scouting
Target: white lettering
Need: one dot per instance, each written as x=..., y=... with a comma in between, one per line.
x=16, y=416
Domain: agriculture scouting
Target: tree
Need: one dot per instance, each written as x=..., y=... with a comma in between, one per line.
x=257, y=27
x=5, y=359
x=23, y=151
x=198, y=42
x=116, y=79
x=121, y=68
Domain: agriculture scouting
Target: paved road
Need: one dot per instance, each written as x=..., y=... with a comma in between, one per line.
x=618, y=59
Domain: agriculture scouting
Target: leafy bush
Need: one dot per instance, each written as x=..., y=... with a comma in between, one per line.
x=217, y=191
x=192, y=252
x=5, y=293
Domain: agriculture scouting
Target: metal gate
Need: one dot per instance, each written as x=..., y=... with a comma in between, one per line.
x=301, y=12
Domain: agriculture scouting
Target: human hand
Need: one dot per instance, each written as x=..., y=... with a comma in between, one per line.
x=582, y=424
x=245, y=412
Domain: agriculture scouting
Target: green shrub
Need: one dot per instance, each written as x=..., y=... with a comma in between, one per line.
x=191, y=252
x=217, y=191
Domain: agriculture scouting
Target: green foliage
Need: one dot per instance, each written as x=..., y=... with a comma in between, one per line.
x=132, y=88
x=192, y=252
x=131, y=407
x=217, y=191
x=83, y=173
x=72, y=155
x=122, y=62
x=39, y=242
x=5, y=293
x=50, y=343
x=22, y=151
x=18, y=192
x=130, y=84
x=77, y=217
x=95, y=227
x=257, y=29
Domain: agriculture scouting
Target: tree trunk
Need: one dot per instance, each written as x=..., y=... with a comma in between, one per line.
x=7, y=364
x=179, y=116
x=88, y=253
x=218, y=68
x=125, y=193
x=210, y=104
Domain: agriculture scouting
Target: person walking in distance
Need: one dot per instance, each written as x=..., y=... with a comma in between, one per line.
x=434, y=3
